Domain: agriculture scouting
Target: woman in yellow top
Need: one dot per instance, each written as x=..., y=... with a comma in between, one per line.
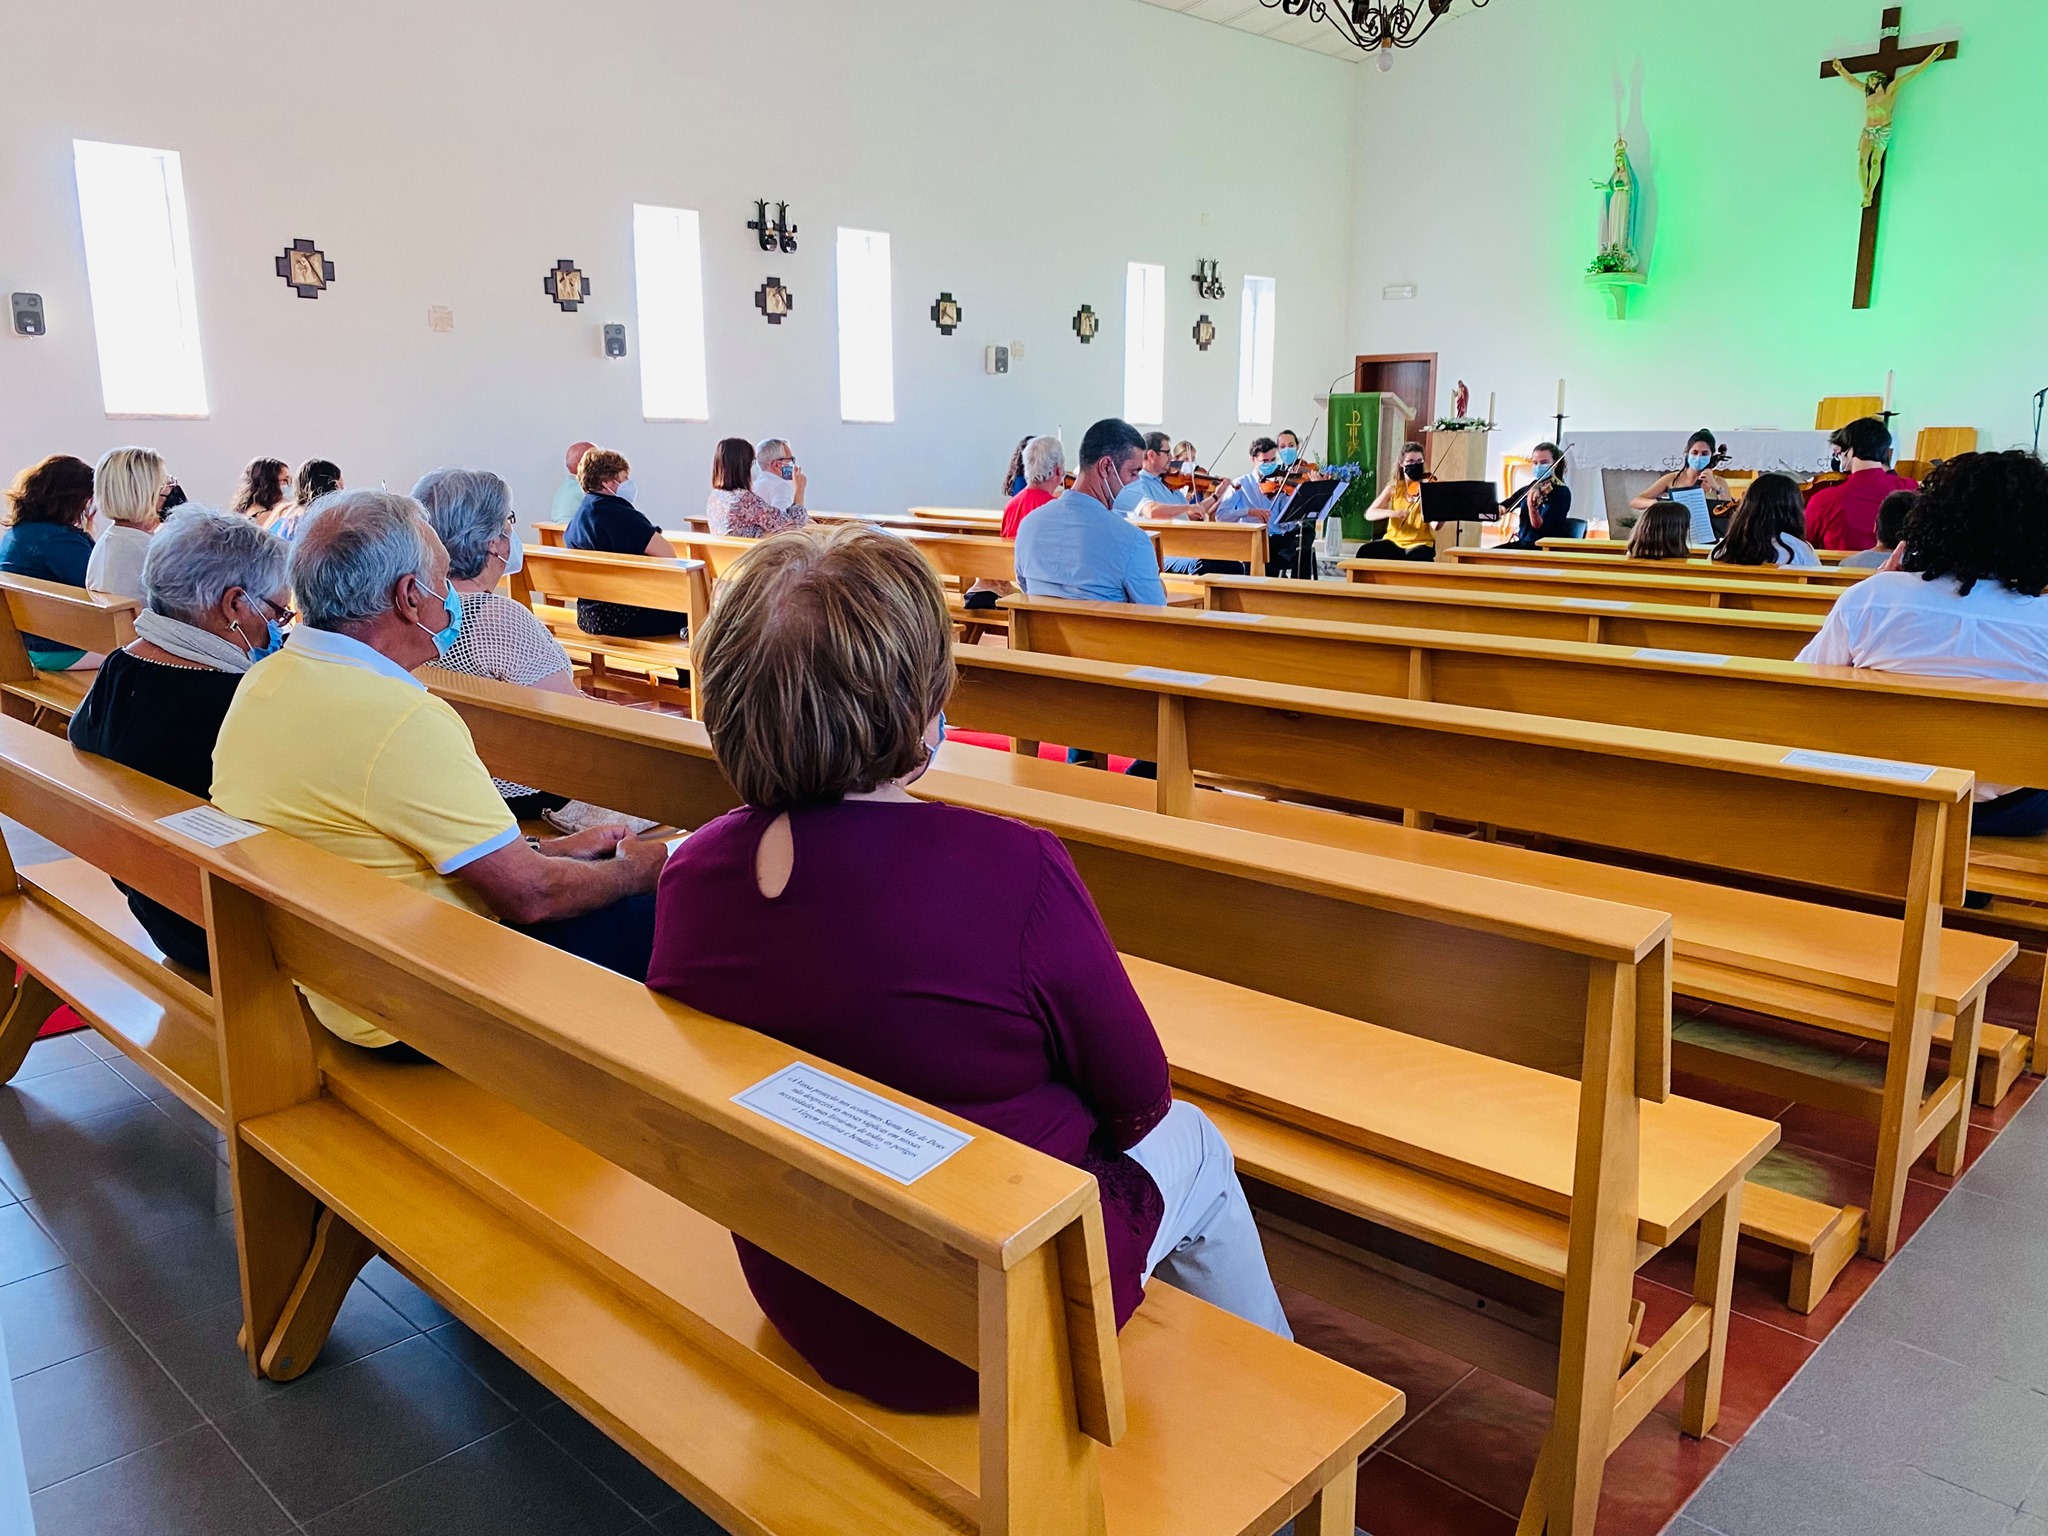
x=1399, y=506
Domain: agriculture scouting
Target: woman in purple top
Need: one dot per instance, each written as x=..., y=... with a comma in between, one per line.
x=820, y=676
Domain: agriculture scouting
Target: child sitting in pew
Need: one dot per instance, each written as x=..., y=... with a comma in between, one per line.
x=829, y=913
x=1661, y=533
x=1768, y=526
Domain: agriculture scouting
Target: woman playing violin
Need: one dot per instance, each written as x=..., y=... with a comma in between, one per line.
x=1542, y=509
x=1399, y=506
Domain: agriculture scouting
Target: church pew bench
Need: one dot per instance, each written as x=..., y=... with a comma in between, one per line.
x=1996, y=730
x=630, y=1302
x=994, y=1256
x=1726, y=632
x=1577, y=559
x=1180, y=539
x=565, y=575
x=88, y=621
x=1620, y=547
x=1168, y=898
x=1750, y=814
x=662, y=767
x=1707, y=591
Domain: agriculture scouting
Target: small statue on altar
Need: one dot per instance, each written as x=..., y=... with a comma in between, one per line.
x=1618, y=216
x=1460, y=398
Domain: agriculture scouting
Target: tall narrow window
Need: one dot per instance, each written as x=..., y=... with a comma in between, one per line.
x=1255, y=352
x=138, y=264
x=867, y=353
x=1145, y=343
x=668, y=280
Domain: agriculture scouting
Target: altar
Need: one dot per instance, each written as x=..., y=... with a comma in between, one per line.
x=1609, y=468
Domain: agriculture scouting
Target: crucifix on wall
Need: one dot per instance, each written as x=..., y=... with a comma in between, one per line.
x=1881, y=80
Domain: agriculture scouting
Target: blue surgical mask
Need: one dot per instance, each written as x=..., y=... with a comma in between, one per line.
x=445, y=637
x=1289, y=456
x=1699, y=460
x=1542, y=471
x=628, y=490
x=273, y=640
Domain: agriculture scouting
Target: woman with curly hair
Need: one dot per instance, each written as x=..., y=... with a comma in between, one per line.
x=1014, y=479
x=1768, y=526
x=46, y=539
x=1965, y=600
x=264, y=491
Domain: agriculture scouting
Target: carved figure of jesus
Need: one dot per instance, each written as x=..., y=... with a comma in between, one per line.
x=1880, y=101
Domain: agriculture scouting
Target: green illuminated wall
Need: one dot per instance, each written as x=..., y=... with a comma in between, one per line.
x=1474, y=158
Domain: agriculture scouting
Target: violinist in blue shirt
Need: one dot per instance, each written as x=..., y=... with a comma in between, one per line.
x=1150, y=486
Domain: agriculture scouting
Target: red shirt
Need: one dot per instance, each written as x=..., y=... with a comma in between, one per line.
x=1021, y=506
x=1845, y=516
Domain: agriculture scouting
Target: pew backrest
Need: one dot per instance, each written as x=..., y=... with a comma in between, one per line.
x=71, y=616
x=1547, y=579
x=640, y=581
x=1180, y=539
x=1578, y=559
x=1614, y=621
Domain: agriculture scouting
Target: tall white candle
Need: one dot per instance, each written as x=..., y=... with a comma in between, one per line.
x=1489, y=407
x=1890, y=377
x=1560, y=397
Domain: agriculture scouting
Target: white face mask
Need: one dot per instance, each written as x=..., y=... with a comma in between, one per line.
x=517, y=557
x=628, y=490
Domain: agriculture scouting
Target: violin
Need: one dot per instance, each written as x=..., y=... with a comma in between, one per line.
x=1196, y=482
x=1286, y=479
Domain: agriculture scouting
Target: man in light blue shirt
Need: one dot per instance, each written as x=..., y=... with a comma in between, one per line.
x=569, y=494
x=1076, y=547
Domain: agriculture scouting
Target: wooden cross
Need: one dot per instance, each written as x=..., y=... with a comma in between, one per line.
x=1889, y=59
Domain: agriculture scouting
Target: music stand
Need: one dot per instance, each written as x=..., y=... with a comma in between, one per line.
x=1306, y=509
x=1459, y=501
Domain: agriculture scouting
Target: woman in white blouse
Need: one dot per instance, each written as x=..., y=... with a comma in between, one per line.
x=128, y=494
x=1964, y=601
x=471, y=510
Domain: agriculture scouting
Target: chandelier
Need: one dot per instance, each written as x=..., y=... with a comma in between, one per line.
x=1378, y=26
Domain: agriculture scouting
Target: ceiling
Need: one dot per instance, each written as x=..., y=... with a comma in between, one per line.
x=1298, y=31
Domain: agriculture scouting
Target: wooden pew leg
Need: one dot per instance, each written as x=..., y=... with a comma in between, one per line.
x=1713, y=1285
x=1963, y=1070
x=1334, y=1509
x=2041, y=1026
x=1813, y=1274
x=30, y=1010
x=338, y=1256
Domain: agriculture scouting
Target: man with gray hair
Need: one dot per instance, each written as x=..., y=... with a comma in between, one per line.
x=777, y=480
x=335, y=741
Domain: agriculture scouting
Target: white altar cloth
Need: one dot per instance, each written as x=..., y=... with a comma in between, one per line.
x=1795, y=453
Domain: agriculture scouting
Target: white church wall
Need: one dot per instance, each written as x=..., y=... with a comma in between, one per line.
x=449, y=154
x=1475, y=159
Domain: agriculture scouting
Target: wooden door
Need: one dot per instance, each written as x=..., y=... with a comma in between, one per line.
x=1411, y=375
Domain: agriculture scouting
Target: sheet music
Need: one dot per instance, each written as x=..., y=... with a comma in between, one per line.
x=1694, y=500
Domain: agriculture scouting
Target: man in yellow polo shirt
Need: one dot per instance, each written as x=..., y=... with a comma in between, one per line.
x=334, y=741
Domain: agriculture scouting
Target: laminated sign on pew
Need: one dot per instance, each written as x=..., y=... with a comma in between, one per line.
x=203, y=824
x=875, y=1132
x=1868, y=767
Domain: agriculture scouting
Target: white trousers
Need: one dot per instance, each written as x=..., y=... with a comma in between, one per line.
x=1208, y=1244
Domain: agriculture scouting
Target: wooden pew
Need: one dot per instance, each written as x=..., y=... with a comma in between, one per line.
x=1996, y=730
x=1180, y=539
x=1722, y=631
x=1620, y=547
x=564, y=1182
x=1577, y=559
x=1241, y=1021
x=565, y=575
x=1748, y=814
x=301, y=1260
x=88, y=621
x=1707, y=591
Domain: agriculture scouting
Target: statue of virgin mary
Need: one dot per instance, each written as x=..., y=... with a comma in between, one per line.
x=1618, y=215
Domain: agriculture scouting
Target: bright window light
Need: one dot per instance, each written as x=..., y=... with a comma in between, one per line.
x=867, y=354
x=1145, y=344
x=1255, y=352
x=668, y=282
x=138, y=264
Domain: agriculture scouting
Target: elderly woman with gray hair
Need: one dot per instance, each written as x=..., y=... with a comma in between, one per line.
x=471, y=511
x=216, y=594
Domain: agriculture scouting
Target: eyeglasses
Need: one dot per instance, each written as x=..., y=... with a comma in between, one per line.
x=277, y=613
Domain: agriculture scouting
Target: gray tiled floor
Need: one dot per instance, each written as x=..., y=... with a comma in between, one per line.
x=1927, y=1409
x=138, y=1415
